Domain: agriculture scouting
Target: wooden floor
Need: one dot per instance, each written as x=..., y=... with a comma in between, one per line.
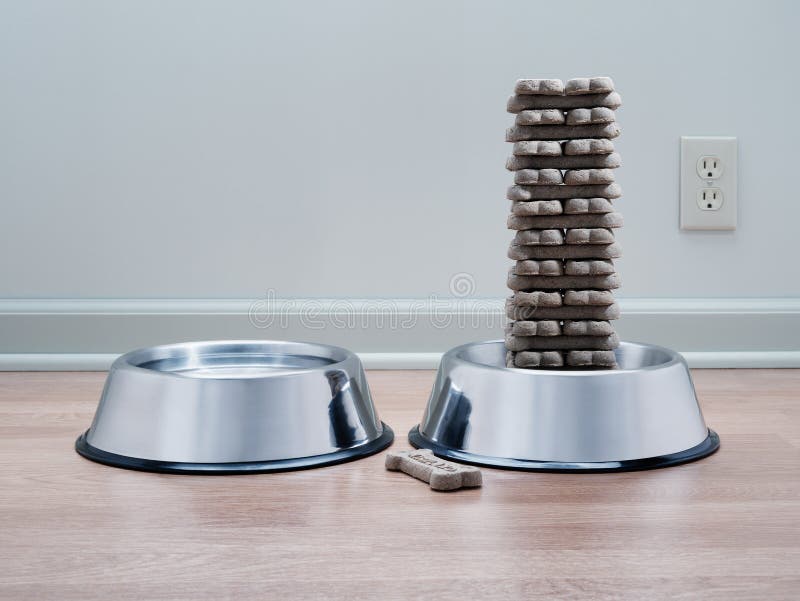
x=726, y=527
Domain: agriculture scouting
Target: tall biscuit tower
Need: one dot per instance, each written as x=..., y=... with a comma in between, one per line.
x=562, y=303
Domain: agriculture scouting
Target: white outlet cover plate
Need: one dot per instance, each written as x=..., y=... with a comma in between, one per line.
x=692, y=216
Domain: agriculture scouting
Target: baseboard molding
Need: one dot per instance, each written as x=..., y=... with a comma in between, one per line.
x=87, y=334
x=377, y=361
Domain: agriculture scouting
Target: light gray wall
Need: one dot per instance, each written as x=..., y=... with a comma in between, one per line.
x=355, y=149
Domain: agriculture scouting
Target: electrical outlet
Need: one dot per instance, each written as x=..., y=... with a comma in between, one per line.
x=708, y=183
x=710, y=199
x=709, y=167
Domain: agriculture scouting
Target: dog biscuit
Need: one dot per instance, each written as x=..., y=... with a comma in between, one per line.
x=533, y=177
x=564, y=192
x=519, y=252
x=588, y=177
x=541, y=117
x=581, y=161
x=591, y=358
x=543, y=87
x=539, y=298
x=588, y=267
x=443, y=475
x=524, y=102
x=589, y=236
x=562, y=282
x=585, y=328
x=539, y=238
x=587, y=220
x=534, y=359
x=546, y=327
x=577, y=206
x=519, y=133
x=588, y=297
x=589, y=85
x=537, y=148
x=533, y=267
x=598, y=114
x=545, y=359
x=589, y=146
x=557, y=343
x=538, y=207
x=593, y=312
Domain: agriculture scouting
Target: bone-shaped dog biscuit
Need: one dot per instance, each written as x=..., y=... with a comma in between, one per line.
x=569, y=206
x=539, y=298
x=544, y=117
x=544, y=327
x=539, y=148
x=423, y=465
x=589, y=85
x=561, y=282
x=582, y=298
x=588, y=267
x=534, y=359
x=520, y=312
x=588, y=236
x=557, y=343
x=591, y=358
x=551, y=237
x=561, y=359
x=578, y=206
x=538, y=207
x=564, y=192
x=578, y=161
x=554, y=237
x=519, y=133
x=583, y=327
x=519, y=252
x=542, y=87
x=545, y=267
x=588, y=146
x=585, y=177
x=533, y=177
x=524, y=102
x=586, y=220
x=598, y=114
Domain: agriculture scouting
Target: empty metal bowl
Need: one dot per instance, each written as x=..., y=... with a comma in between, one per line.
x=643, y=415
x=227, y=407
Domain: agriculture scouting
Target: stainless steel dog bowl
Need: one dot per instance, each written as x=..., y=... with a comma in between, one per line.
x=228, y=407
x=643, y=415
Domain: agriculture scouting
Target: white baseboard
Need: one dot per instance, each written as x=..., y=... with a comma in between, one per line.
x=101, y=361
x=87, y=334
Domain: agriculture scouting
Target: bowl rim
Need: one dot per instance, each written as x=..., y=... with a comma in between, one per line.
x=456, y=354
x=133, y=360
x=342, y=455
x=708, y=446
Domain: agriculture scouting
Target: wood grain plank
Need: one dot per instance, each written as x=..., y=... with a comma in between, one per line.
x=727, y=527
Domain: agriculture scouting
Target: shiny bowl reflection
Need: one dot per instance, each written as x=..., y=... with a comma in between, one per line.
x=234, y=407
x=642, y=415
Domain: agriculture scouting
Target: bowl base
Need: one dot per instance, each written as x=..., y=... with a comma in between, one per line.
x=247, y=467
x=704, y=449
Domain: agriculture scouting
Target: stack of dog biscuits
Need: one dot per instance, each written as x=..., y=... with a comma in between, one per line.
x=563, y=213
